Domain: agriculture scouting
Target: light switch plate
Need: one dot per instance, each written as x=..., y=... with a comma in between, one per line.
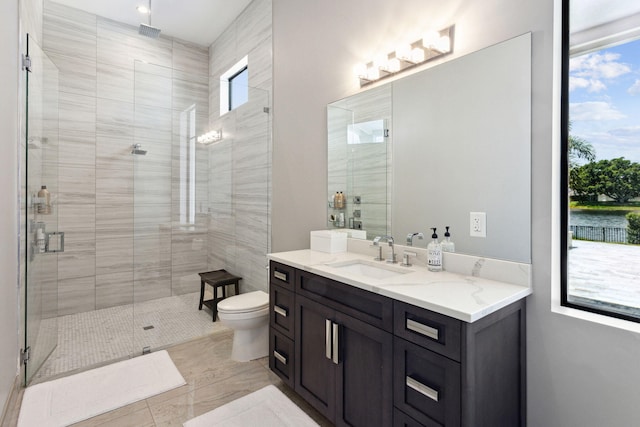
x=478, y=224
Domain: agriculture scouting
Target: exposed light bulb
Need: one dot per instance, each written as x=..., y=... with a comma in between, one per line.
x=373, y=73
x=403, y=52
x=417, y=55
x=143, y=9
x=210, y=137
x=430, y=39
x=360, y=71
x=394, y=65
x=381, y=61
x=444, y=44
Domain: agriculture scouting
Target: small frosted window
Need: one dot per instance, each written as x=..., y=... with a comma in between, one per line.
x=238, y=89
x=234, y=86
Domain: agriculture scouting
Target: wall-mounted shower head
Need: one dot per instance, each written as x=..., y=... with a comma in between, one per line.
x=137, y=149
x=148, y=30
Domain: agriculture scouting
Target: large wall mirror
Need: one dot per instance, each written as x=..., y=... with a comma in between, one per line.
x=427, y=150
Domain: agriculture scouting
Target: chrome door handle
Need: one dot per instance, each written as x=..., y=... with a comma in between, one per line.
x=336, y=343
x=279, y=310
x=422, y=329
x=278, y=275
x=327, y=339
x=422, y=389
x=280, y=357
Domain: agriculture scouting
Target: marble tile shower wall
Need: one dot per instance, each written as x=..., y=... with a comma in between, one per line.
x=125, y=238
x=239, y=180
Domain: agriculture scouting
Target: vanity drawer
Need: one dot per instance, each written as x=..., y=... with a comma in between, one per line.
x=400, y=419
x=434, y=331
x=281, y=274
x=426, y=385
x=282, y=310
x=377, y=310
x=281, y=359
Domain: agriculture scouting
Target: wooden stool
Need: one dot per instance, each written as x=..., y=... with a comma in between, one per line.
x=217, y=279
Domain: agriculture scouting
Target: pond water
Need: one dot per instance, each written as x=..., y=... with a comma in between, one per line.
x=598, y=218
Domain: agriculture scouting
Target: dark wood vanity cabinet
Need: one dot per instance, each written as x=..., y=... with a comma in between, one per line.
x=363, y=359
x=344, y=351
x=453, y=373
x=282, y=321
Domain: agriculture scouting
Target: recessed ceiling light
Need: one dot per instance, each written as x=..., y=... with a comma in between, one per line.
x=143, y=9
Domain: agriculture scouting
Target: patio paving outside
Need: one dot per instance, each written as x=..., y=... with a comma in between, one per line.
x=605, y=271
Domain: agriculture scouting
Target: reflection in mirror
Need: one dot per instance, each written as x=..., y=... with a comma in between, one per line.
x=461, y=144
x=359, y=167
x=371, y=132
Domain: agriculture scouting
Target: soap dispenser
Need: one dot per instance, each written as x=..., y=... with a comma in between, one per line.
x=434, y=253
x=447, y=244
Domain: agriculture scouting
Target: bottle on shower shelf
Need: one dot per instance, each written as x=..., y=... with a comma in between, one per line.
x=44, y=201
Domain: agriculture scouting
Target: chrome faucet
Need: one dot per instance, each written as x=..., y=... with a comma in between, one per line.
x=389, y=239
x=376, y=243
x=410, y=237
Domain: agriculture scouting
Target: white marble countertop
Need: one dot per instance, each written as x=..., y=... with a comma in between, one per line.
x=464, y=297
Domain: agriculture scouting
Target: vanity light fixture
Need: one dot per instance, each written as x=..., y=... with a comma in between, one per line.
x=433, y=44
x=210, y=137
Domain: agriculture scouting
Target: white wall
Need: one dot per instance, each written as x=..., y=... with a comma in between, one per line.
x=8, y=193
x=579, y=373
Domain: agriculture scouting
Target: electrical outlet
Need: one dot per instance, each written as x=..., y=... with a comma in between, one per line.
x=478, y=224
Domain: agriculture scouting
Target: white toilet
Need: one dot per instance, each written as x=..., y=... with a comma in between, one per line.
x=248, y=316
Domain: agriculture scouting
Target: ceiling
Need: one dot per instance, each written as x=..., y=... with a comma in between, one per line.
x=197, y=21
x=202, y=21
x=590, y=13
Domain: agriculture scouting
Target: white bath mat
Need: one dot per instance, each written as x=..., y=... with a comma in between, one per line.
x=267, y=407
x=78, y=397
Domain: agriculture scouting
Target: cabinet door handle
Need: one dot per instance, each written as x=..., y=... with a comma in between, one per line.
x=279, y=275
x=336, y=343
x=279, y=310
x=327, y=339
x=422, y=389
x=422, y=329
x=280, y=357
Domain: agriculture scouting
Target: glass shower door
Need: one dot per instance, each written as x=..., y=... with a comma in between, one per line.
x=39, y=212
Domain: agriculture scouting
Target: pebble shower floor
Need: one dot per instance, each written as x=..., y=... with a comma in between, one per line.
x=101, y=336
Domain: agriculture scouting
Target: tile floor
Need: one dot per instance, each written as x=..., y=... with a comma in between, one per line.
x=213, y=379
x=97, y=337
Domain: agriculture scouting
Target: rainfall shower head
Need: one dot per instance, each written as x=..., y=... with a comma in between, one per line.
x=137, y=149
x=148, y=30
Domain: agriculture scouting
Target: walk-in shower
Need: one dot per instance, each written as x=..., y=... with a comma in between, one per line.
x=143, y=205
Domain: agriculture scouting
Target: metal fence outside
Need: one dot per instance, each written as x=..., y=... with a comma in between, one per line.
x=599, y=234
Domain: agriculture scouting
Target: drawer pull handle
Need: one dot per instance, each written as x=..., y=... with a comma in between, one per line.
x=327, y=339
x=279, y=310
x=280, y=357
x=279, y=275
x=422, y=329
x=336, y=343
x=422, y=389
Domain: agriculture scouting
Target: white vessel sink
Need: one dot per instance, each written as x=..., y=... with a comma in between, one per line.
x=371, y=269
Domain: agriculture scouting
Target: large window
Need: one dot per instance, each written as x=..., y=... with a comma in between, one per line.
x=601, y=158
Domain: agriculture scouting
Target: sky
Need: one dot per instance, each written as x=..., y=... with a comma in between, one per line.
x=604, y=100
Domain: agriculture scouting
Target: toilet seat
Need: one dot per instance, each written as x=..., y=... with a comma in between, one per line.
x=256, y=301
